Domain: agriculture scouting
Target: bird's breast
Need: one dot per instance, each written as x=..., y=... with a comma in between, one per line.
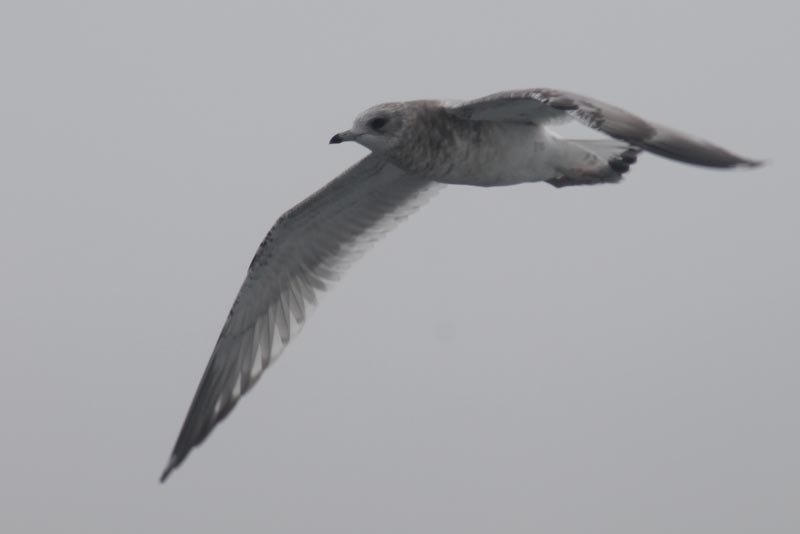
x=485, y=153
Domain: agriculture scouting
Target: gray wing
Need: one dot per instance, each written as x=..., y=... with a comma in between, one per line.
x=307, y=249
x=546, y=106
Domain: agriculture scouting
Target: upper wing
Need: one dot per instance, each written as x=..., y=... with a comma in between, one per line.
x=543, y=106
x=306, y=249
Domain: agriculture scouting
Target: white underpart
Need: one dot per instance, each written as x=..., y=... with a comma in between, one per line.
x=508, y=154
x=505, y=143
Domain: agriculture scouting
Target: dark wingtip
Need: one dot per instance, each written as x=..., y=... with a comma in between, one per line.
x=171, y=465
x=751, y=163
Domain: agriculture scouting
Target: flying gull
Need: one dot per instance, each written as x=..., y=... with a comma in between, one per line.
x=497, y=140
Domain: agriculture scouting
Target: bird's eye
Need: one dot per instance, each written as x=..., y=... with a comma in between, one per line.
x=377, y=123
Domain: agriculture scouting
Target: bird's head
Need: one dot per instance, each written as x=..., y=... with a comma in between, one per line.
x=380, y=128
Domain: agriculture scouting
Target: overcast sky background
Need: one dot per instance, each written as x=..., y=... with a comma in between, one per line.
x=617, y=359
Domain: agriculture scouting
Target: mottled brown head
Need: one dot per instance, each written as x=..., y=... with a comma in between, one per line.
x=384, y=127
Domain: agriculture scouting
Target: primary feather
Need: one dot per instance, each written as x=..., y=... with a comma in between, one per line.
x=501, y=139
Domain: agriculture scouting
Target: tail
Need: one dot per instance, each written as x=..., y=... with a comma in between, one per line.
x=595, y=161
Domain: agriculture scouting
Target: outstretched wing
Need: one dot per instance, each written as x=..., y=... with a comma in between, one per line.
x=547, y=106
x=307, y=248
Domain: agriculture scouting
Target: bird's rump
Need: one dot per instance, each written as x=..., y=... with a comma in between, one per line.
x=501, y=139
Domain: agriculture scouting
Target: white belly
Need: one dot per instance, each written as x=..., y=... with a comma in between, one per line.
x=504, y=154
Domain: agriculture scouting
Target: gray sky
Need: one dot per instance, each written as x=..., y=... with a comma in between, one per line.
x=618, y=359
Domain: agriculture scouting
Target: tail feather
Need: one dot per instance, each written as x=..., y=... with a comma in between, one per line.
x=608, y=160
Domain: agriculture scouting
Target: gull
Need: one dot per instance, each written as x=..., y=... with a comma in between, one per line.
x=416, y=147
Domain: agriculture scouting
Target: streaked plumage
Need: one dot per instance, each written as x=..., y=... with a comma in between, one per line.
x=500, y=139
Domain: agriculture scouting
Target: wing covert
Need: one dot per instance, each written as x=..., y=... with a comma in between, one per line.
x=551, y=106
x=307, y=248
